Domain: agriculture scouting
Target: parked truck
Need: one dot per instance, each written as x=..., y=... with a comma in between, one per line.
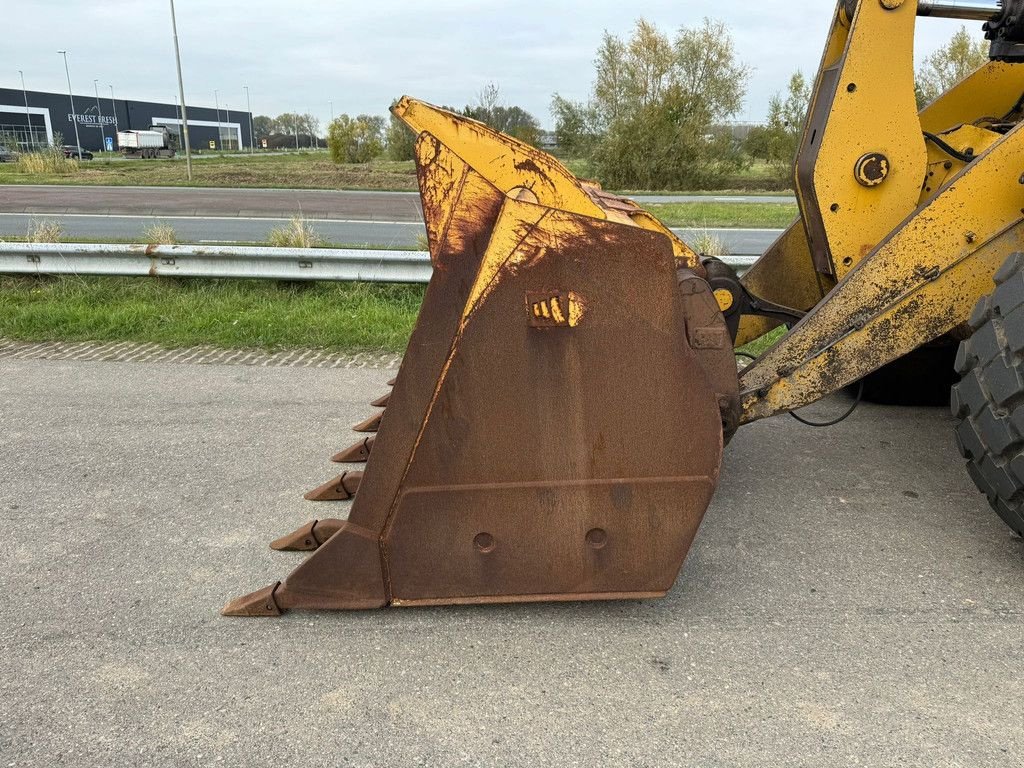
x=155, y=142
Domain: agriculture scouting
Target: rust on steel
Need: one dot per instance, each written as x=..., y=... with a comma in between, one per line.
x=308, y=537
x=372, y=424
x=356, y=454
x=511, y=467
x=341, y=488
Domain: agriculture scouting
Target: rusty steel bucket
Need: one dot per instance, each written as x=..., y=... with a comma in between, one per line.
x=556, y=429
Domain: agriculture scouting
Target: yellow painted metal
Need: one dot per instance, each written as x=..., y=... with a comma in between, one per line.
x=944, y=167
x=991, y=91
x=786, y=276
x=864, y=103
x=918, y=285
x=912, y=258
x=526, y=174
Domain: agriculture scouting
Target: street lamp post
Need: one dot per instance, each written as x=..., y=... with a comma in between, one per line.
x=248, y=105
x=71, y=95
x=99, y=113
x=113, y=107
x=181, y=94
x=28, y=116
x=220, y=129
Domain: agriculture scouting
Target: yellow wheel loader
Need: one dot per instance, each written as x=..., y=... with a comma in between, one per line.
x=556, y=428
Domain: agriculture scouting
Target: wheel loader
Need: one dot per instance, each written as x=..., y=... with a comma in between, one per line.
x=556, y=428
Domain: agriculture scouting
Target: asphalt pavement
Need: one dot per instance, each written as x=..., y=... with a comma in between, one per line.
x=273, y=203
x=850, y=600
x=202, y=215
x=233, y=229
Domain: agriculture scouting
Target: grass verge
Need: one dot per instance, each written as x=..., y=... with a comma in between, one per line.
x=232, y=314
x=300, y=170
x=724, y=215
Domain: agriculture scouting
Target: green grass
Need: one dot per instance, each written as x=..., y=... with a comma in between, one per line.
x=759, y=346
x=716, y=215
x=298, y=170
x=224, y=313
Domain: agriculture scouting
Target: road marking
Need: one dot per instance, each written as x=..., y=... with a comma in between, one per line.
x=208, y=218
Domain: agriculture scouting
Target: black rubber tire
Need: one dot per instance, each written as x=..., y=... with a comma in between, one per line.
x=988, y=402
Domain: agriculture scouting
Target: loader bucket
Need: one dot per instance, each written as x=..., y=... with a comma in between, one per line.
x=555, y=431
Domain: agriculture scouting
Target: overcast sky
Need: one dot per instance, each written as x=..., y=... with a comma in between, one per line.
x=299, y=56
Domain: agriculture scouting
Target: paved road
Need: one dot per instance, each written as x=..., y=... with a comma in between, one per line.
x=171, y=201
x=850, y=601
x=275, y=203
x=234, y=229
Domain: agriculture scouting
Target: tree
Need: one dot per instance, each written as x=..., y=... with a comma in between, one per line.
x=356, y=140
x=656, y=105
x=576, y=129
x=949, y=65
x=777, y=142
x=515, y=121
x=400, y=141
x=263, y=126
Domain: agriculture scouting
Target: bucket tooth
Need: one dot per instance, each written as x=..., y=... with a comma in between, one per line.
x=341, y=488
x=357, y=454
x=319, y=584
x=372, y=424
x=258, y=603
x=309, y=537
x=392, y=382
x=382, y=401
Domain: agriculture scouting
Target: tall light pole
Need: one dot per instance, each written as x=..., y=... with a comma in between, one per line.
x=28, y=116
x=220, y=129
x=248, y=105
x=181, y=94
x=74, y=115
x=113, y=107
x=332, y=110
x=99, y=113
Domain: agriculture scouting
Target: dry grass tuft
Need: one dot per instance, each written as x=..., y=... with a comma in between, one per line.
x=299, y=233
x=707, y=244
x=161, y=234
x=44, y=232
x=48, y=161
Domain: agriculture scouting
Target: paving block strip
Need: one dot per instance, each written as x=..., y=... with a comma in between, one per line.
x=132, y=352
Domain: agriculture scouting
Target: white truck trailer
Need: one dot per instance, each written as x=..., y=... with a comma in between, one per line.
x=156, y=142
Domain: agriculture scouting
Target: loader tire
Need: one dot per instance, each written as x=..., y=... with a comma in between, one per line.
x=988, y=402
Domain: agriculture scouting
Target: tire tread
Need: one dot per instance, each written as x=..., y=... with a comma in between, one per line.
x=988, y=401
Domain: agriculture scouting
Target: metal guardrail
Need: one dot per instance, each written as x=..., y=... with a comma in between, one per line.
x=323, y=264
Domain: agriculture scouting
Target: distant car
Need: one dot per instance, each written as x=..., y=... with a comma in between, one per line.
x=73, y=151
x=7, y=156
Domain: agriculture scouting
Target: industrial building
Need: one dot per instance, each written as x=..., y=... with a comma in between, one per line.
x=99, y=120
